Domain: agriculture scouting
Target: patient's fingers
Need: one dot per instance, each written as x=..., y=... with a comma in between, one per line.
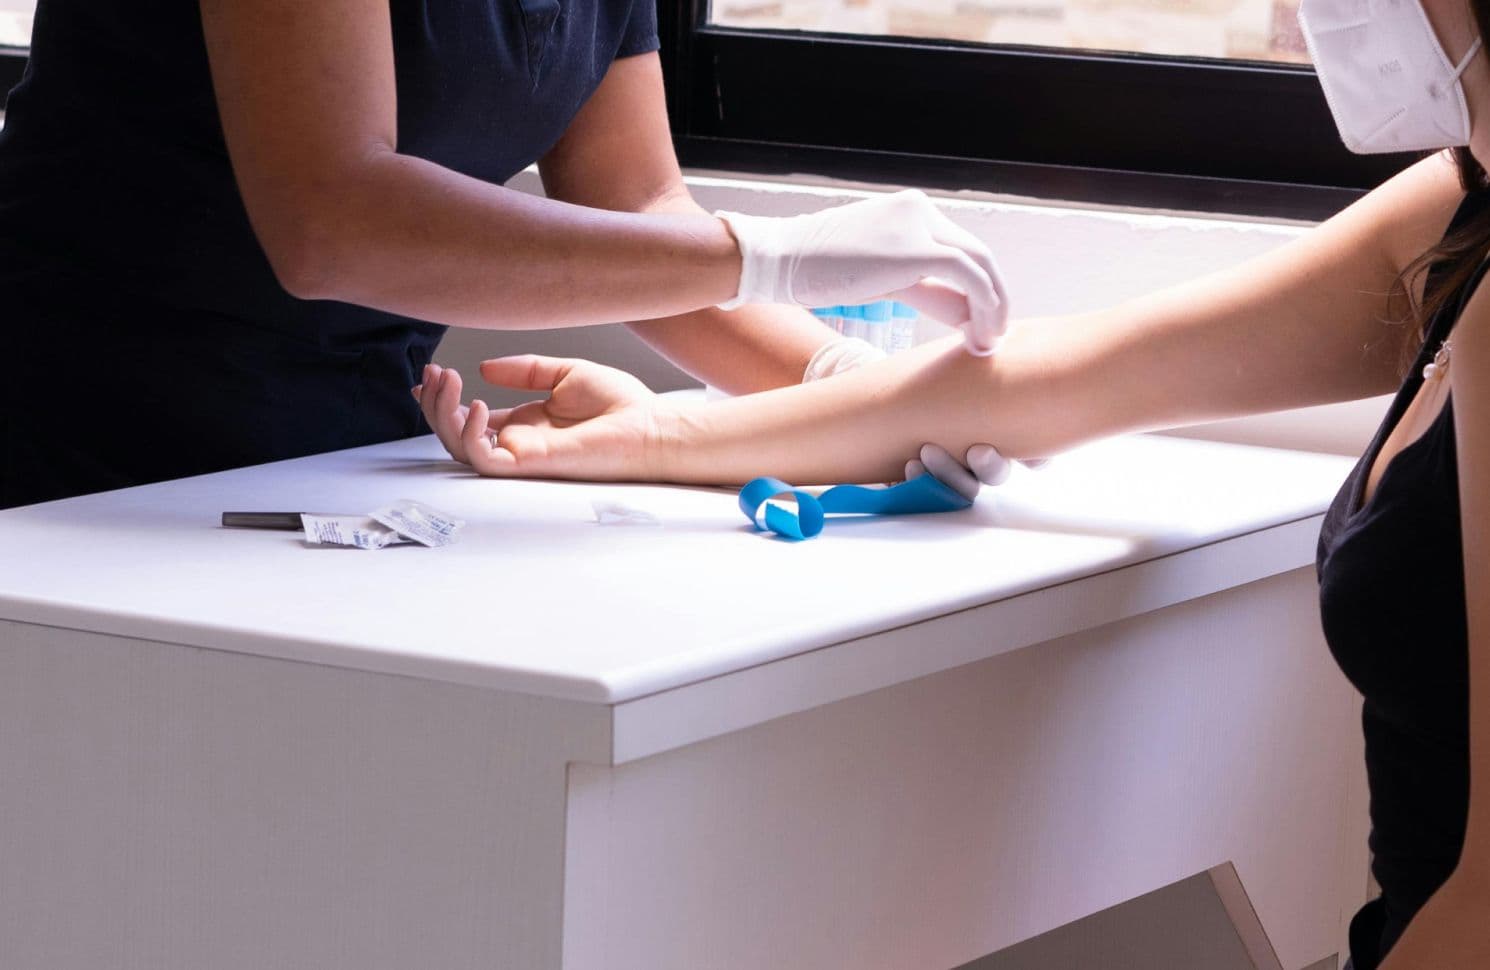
x=429, y=393
x=481, y=446
x=528, y=372
x=449, y=416
x=498, y=418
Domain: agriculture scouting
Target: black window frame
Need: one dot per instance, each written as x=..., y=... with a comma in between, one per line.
x=12, y=66
x=1239, y=137
x=1195, y=134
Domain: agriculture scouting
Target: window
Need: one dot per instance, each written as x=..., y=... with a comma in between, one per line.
x=1263, y=30
x=1190, y=104
x=15, y=22
x=1200, y=104
x=15, y=37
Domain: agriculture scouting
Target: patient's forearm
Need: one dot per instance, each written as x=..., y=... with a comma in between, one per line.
x=1054, y=384
x=1302, y=324
x=859, y=426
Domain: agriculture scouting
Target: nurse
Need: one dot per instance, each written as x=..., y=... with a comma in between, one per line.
x=1388, y=295
x=232, y=231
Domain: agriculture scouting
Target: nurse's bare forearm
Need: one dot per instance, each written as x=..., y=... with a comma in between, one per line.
x=410, y=237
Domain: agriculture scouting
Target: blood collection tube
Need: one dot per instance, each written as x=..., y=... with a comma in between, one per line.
x=853, y=321
x=902, y=328
x=877, y=324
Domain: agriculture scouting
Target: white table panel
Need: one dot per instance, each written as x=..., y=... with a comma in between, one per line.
x=642, y=609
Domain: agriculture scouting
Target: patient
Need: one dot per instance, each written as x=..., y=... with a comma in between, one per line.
x=1384, y=296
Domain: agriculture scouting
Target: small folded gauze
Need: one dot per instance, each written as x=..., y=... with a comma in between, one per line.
x=618, y=513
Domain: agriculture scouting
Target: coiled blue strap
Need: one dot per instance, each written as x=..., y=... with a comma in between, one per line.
x=920, y=495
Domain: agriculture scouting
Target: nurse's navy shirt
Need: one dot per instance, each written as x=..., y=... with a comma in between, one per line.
x=1392, y=600
x=129, y=270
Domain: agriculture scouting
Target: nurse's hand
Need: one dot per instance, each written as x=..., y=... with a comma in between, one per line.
x=982, y=463
x=578, y=391
x=898, y=246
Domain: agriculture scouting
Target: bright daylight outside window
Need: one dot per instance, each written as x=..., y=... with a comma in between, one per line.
x=15, y=22
x=1259, y=30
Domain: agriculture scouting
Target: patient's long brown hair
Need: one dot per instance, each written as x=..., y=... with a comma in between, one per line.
x=1458, y=254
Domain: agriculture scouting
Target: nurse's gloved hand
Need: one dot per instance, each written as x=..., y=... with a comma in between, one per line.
x=899, y=247
x=984, y=464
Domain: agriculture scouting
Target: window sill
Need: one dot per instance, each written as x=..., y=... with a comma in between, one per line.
x=1046, y=183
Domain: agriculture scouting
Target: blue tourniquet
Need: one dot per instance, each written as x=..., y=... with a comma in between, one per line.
x=919, y=495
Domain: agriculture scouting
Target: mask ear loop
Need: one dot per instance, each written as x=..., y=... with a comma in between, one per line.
x=1438, y=91
x=1468, y=56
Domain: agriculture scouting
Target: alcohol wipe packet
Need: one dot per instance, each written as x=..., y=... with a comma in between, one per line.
x=423, y=524
x=349, y=530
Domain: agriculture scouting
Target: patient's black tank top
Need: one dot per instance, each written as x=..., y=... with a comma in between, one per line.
x=1391, y=573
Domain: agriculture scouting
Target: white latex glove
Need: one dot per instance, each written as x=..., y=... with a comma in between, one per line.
x=899, y=247
x=984, y=463
x=840, y=355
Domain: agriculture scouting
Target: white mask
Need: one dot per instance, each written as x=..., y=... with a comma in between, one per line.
x=1387, y=79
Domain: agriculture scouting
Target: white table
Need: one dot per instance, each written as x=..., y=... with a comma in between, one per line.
x=905, y=744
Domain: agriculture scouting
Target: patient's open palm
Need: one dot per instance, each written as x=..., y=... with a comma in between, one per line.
x=594, y=423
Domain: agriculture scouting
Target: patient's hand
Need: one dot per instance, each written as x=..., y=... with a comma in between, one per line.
x=596, y=422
